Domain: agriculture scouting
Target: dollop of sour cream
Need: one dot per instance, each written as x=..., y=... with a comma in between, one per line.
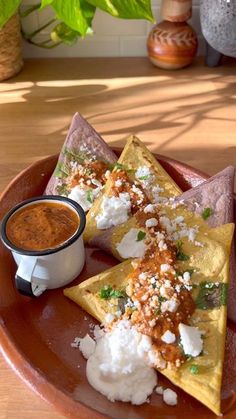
x=119, y=366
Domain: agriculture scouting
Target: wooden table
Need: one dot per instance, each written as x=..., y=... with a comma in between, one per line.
x=189, y=115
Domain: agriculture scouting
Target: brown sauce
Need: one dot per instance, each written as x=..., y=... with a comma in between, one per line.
x=42, y=226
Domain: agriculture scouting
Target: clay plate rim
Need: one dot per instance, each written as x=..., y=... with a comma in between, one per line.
x=16, y=359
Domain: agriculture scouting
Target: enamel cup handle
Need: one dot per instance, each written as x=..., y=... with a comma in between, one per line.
x=23, y=277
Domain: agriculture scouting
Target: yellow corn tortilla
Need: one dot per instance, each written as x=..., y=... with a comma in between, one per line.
x=134, y=155
x=211, y=263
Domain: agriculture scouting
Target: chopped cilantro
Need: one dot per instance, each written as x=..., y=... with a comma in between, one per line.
x=143, y=177
x=180, y=255
x=89, y=196
x=119, y=166
x=62, y=190
x=74, y=155
x=206, y=213
x=61, y=170
x=161, y=299
x=154, y=285
x=140, y=236
x=211, y=295
x=194, y=369
x=108, y=292
x=157, y=312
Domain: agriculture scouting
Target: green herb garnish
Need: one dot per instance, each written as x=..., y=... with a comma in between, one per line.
x=89, y=196
x=161, y=299
x=194, y=369
x=140, y=236
x=62, y=190
x=206, y=213
x=143, y=177
x=61, y=170
x=180, y=255
x=74, y=155
x=108, y=292
x=211, y=295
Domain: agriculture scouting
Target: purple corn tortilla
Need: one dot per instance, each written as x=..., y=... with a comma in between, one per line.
x=81, y=135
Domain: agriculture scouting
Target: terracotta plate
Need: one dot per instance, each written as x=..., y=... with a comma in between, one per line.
x=36, y=335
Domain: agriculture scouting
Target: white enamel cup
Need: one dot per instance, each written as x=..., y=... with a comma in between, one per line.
x=51, y=268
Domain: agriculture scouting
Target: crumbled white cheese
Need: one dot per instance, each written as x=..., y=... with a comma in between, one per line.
x=119, y=368
x=186, y=276
x=168, y=337
x=162, y=245
x=151, y=222
x=118, y=183
x=159, y=236
x=155, y=194
x=170, y=397
x=130, y=247
x=109, y=318
x=165, y=267
x=84, y=197
x=114, y=211
x=164, y=291
x=142, y=276
x=191, y=340
x=75, y=343
x=159, y=390
x=169, y=305
x=142, y=171
x=87, y=346
x=149, y=208
x=98, y=332
x=107, y=174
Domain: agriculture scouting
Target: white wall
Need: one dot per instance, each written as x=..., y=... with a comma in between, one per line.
x=112, y=37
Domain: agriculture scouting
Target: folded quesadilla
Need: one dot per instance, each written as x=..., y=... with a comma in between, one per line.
x=175, y=292
x=83, y=166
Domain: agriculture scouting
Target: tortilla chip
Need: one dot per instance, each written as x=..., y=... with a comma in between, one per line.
x=134, y=155
x=81, y=135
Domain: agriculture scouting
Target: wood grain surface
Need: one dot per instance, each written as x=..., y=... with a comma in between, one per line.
x=189, y=115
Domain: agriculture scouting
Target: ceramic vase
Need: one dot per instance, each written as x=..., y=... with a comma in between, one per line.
x=172, y=45
x=176, y=10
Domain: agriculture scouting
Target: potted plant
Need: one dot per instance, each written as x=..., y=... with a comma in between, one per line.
x=73, y=20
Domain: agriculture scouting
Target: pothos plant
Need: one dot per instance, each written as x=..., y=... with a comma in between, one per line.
x=73, y=18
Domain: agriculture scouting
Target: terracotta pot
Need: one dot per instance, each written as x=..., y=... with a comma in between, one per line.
x=11, y=61
x=172, y=45
x=176, y=10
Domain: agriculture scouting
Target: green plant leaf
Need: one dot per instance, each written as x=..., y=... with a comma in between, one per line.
x=126, y=9
x=63, y=33
x=7, y=10
x=77, y=14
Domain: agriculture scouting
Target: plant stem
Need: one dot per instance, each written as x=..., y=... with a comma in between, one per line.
x=30, y=10
x=32, y=34
x=44, y=44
